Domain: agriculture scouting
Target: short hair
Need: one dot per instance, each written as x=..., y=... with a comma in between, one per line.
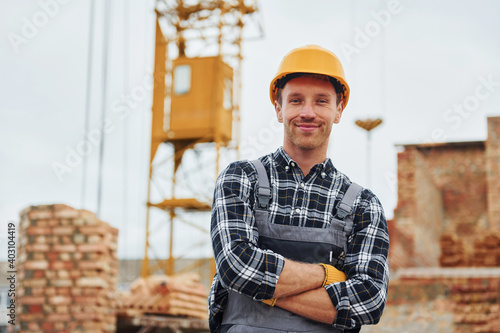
x=337, y=86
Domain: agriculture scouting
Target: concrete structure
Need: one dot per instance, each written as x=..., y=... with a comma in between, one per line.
x=445, y=188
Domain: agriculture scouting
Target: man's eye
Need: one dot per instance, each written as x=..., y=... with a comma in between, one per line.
x=295, y=100
x=323, y=101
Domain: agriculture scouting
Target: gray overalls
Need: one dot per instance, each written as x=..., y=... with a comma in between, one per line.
x=311, y=245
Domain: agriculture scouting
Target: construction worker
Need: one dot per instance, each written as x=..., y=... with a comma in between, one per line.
x=298, y=247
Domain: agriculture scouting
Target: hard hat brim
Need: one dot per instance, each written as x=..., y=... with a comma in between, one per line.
x=273, y=89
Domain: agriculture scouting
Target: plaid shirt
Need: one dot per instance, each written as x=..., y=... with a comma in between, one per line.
x=298, y=200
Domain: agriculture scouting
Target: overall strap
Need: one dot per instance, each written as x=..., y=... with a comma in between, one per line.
x=346, y=205
x=264, y=192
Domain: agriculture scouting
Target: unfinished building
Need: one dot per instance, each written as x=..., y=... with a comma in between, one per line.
x=448, y=198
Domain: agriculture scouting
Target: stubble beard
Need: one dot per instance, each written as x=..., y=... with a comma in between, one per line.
x=307, y=141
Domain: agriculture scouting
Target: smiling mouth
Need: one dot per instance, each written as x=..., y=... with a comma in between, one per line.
x=307, y=127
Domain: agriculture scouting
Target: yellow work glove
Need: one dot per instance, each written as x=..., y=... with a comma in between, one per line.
x=332, y=275
x=270, y=302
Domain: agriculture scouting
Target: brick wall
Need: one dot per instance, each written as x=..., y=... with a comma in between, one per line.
x=406, y=186
x=401, y=227
x=429, y=212
x=493, y=170
x=459, y=171
x=445, y=188
x=419, y=214
x=448, y=188
x=401, y=246
x=419, y=207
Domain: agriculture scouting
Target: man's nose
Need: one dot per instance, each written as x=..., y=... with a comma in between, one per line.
x=308, y=110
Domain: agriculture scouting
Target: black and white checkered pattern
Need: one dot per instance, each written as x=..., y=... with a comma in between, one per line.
x=308, y=201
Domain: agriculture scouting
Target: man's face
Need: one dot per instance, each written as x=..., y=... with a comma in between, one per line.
x=308, y=111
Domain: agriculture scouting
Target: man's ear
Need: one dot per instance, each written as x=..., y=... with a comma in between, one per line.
x=277, y=108
x=340, y=109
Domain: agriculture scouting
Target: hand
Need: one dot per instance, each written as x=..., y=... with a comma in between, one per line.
x=270, y=302
x=332, y=275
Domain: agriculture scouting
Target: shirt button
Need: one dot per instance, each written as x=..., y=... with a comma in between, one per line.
x=292, y=164
x=287, y=168
x=302, y=185
x=323, y=174
x=297, y=210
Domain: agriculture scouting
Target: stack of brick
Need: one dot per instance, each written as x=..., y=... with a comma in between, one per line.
x=476, y=306
x=68, y=269
x=180, y=295
x=452, y=251
x=487, y=250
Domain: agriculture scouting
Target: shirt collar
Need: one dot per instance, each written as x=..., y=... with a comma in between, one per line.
x=287, y=163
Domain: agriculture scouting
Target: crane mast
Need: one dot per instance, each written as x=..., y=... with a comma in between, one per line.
x=196, y=108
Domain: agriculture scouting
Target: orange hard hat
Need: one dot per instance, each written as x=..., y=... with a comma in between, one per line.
x=310, y=59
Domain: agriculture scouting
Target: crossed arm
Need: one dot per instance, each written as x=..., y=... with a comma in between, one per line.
x=299, y=290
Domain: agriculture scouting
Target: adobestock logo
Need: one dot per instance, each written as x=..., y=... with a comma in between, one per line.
x=254, y=144
x=32, y=26
x=454, y=117
x=471, y=103
x=121, y=108
x=74, y=155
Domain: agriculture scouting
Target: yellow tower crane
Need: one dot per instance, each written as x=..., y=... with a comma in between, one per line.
x=195, y=104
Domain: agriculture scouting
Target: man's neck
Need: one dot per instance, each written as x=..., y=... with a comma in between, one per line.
x=306, y=159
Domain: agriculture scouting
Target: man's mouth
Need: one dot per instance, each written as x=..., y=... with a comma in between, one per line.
x=307, y=127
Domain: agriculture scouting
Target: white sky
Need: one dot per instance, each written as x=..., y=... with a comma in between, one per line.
x=438, y=59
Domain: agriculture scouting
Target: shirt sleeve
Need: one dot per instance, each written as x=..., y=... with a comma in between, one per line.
x=241, y=265
x=361, y=299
